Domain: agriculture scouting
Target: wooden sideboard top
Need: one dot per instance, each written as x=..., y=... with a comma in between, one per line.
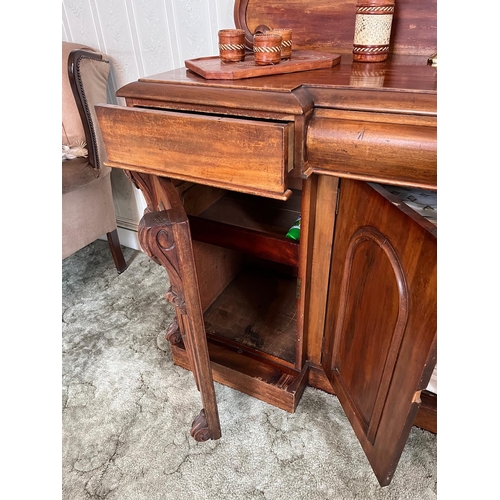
x=321, y=25
x=402, y=84
x=405, y=83
x=401, y=73
x=393, y=103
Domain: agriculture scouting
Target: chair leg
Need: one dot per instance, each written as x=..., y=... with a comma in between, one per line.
x=116, y=251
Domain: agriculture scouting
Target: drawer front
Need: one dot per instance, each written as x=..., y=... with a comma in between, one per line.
x=401, y=153
x=252, y=156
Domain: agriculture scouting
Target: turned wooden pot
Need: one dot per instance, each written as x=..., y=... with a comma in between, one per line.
x=286, y=41
x=232, y=45
x=267, y=48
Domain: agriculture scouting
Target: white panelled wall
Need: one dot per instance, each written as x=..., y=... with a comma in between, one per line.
x=141, y=38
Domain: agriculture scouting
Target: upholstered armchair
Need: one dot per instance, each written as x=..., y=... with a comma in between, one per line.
x=87, y=203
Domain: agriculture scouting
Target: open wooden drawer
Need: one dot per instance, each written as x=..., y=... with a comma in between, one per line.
x=246, y=155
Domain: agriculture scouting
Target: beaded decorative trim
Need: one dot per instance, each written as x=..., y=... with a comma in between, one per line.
x=369, y=74
x=85, y=103
x=370, y=50
x=385, y=9
x=226, y=46
x=267, y=49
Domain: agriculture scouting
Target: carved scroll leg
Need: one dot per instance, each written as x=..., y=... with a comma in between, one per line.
x=175, y=336
x=196, y=340
x=166, y=238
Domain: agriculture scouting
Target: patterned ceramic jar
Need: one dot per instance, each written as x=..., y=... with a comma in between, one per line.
x=372, y=30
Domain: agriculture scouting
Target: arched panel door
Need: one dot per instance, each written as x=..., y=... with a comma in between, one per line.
x=380, y=335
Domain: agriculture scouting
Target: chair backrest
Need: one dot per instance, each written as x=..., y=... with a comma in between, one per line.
x=84, y=82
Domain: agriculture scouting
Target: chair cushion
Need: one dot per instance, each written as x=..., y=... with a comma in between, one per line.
x=77, y=173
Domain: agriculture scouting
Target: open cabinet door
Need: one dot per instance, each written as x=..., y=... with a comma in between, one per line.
x=380, y=335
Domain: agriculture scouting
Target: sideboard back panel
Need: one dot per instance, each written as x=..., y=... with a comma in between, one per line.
x=329, y=24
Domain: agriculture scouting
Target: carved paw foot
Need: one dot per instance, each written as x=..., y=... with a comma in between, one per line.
x=199, y=429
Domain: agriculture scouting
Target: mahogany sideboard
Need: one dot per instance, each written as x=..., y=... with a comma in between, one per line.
x=227, y=165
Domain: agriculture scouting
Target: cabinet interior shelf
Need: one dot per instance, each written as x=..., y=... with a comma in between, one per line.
x=251, y=332
x=257, y=310
x=252, y=225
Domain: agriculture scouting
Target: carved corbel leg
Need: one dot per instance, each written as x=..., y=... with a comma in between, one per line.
x=166, y=238
x=173, y=332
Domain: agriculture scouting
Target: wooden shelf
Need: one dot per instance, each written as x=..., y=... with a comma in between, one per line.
x=250, y=224
x=251, y=374
x=251, y=335
x=257, y=310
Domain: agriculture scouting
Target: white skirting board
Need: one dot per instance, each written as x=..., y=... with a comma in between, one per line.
x=128, y=238
x=433, y=383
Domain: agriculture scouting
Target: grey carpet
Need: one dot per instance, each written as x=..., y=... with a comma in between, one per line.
x=127, y=411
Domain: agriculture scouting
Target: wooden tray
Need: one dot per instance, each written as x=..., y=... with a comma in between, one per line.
x=212, y=68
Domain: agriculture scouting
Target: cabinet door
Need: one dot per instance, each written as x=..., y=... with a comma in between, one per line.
x=380, y=333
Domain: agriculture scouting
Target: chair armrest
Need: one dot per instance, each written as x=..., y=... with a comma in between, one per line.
x=88, y=74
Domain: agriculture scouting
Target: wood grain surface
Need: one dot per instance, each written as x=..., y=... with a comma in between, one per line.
x=214, y=68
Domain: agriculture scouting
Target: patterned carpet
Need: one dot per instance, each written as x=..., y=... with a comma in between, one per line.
x=127, y=411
